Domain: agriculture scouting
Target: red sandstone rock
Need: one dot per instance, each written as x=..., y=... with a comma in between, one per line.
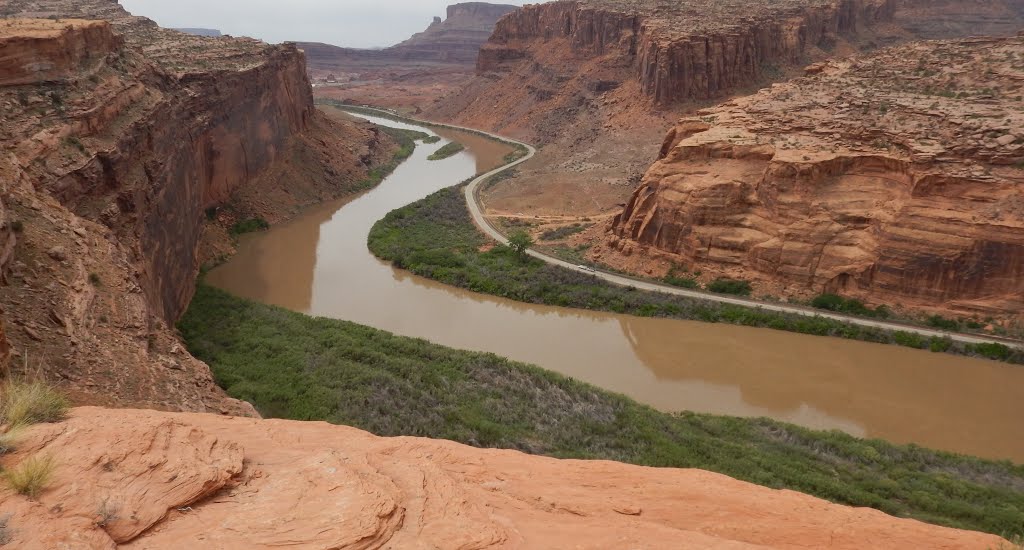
x=889, y=178
x=139, y=478
x=118, y=136
x=689, y=51
x=34, y=51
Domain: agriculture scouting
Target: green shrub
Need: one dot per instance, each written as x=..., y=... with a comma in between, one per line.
x=830, y=302
x=293, y=366
x=447, y=150
x=31, y=476
x=941, y=322
x=943, y=344
x=436, y=238
x=995, y=351
x=850, y=306
x=24, y=403
x=730, y=286
x=250, y=225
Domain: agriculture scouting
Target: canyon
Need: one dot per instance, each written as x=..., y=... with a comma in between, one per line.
x=593, y=83
x=413, y=73
x=211, y=481
x=894, y=178
x=132, y=154
x=121, y=140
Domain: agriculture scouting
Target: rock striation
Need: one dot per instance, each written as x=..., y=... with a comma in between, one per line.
x=687, y=51
x=144, y=479
x=895, y=178
x=36, y=51
x=118, y=140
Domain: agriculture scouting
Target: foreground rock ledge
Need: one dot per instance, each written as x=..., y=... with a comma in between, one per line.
x=146, y=479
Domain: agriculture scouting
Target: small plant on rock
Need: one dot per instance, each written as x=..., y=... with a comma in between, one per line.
x=32, y=476
x=24, y=403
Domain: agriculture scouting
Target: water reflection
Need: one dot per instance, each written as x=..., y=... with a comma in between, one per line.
x=319, y=264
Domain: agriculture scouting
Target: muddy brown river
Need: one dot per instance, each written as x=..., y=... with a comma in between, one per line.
x=319, y=264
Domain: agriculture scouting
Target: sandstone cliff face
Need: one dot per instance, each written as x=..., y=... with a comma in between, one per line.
x=143, y=479
x=35, y=51
x=118, y=140
x=893, y=178
x=684, y=53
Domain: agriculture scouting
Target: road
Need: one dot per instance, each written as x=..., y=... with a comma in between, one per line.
x=473, y=203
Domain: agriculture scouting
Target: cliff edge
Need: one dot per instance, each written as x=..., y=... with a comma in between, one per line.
x=894, y=178
x=145, y=479
x=119, y=140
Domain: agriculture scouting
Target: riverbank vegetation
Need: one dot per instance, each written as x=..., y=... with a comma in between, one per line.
x=436, y=238
x=447, y=150
x=294, y=366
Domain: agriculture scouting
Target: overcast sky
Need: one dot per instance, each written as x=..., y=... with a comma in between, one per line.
x=354, y=23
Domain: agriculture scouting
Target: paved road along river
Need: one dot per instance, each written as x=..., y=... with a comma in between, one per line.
x=319, y=264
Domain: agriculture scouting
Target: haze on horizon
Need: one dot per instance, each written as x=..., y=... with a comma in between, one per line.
x=349, y=23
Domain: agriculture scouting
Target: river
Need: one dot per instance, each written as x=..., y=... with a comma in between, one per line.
x=319, y=264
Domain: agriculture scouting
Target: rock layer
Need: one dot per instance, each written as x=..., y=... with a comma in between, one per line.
x=455, y=41
x=33, y=51
x=687, y=52
x=893, y=178
x=143, y=479
x=119, y=139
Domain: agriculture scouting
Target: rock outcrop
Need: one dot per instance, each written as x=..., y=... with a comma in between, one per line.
x=688, y=51
x=119, y=138
x=144, y=479
x=455, y=40
x=894, y=178
x=459, y=37
x=36, y=51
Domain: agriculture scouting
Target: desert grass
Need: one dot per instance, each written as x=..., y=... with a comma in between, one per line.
x=32, y=475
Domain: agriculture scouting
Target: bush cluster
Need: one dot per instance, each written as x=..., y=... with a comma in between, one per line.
x=436, y=238
x=294, y=366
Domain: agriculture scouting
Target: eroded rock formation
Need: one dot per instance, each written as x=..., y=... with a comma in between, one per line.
x=687, y=51
x=144, y=479
x=455, y=40
x=119, y=138
x=894, y=178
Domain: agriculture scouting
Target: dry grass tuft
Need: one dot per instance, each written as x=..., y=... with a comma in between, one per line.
x=9, y=439
x=32, y=475
x=24, y=403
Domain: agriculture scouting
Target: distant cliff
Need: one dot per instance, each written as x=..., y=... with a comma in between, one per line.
x=201, y=32
x=456, y=40
x=683, y=53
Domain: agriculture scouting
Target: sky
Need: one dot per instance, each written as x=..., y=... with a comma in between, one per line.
x=350, y=23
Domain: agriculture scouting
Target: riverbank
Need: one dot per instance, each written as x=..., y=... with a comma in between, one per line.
x=436, y=238
x=294, y=366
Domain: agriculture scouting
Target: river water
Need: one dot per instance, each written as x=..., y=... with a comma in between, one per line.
x=319, y=264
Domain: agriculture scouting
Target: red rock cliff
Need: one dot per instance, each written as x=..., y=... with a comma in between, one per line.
x=888, y=178
x=119, y=138
x=32, y=52
x=684, y=53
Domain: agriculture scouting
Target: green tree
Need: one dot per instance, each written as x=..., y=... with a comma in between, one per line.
x=520, y=241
